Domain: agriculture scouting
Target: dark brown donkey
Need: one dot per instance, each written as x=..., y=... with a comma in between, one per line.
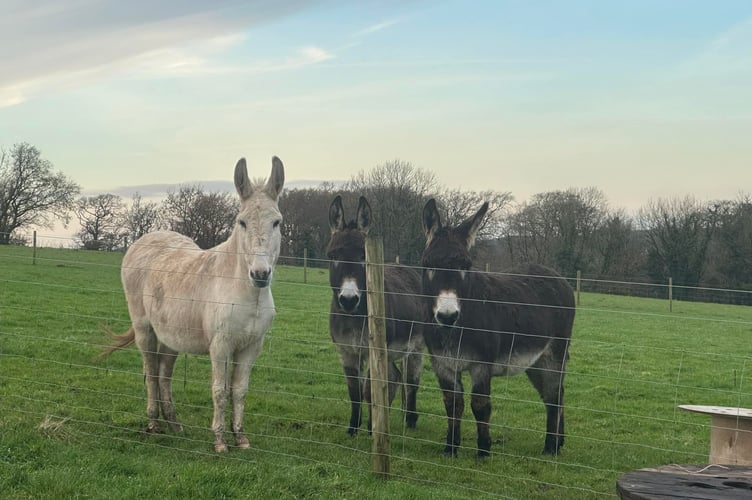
x=348, y=321
x=492, y=325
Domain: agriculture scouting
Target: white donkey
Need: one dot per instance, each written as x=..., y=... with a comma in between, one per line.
x=216, y=301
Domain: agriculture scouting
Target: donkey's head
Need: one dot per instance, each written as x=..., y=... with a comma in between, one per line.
x=257, y=230
x=446, y=260
x=347, y=254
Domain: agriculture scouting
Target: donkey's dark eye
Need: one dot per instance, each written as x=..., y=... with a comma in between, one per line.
x=276, y=224
x=242, y=224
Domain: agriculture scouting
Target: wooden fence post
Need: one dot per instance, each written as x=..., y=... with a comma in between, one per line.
x=377, y=358
x=670, y=294
x=34, y=250
x=579, y=277
x=305, y=265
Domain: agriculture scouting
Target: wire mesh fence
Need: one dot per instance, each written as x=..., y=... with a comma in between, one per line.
x=632, y=362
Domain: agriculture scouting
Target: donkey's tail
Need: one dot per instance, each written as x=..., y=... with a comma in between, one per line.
x=120, y=341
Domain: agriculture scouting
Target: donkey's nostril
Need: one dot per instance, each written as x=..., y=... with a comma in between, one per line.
x=260, y=278
x=447, y=318
x=348, y=302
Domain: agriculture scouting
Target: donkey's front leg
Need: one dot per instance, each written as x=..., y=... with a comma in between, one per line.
x=352, y=366
x=454, y=403
x=241, y=373
x=221, y=366
x=480, y=402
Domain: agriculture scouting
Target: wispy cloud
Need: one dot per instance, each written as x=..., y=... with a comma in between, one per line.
x=375, y=28
x=728, y=53
x=48, y=45
x=159, y=63
x=300, y=58
x=314, y=55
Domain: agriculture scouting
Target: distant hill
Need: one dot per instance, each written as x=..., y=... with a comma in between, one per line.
x=159, y=191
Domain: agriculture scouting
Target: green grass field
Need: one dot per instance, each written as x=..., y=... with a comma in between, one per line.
x=71, y=427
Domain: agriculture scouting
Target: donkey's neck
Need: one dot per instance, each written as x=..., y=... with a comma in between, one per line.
x=231, y=254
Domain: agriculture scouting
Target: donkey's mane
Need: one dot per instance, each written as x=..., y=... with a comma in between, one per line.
x=258, y=183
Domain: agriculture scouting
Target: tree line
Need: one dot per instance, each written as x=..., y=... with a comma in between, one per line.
x=697, y=244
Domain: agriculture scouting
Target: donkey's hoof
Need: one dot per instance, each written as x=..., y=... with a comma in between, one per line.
x=411, y=421
x=153, y=428
x=175, y=426
x=352, y=431
x=552, y=449
x=242, y=443
x=220, y=448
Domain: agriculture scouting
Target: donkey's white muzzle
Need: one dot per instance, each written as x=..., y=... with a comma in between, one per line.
x=261, y=272
x=349, y=295
x=446, y=310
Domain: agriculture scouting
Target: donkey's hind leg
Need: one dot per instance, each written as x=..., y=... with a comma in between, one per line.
x=547, y=376
x=148, y=344
x=413, y=366
x=167, y=358
x=395, y=380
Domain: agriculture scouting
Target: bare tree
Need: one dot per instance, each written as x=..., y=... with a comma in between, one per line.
x=558, y=229
x=141, y=218
x=677, y=232
x=100, y=219
x=730, y=254
x=206, y=218
x=459, y=205
x=31, y=193
x=619, y=248
x=306, y=221
x=397, y=191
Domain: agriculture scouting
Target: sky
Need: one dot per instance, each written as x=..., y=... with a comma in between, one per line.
x=643, y=99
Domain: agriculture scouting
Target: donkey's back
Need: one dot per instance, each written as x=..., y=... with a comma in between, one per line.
x=527, y=314
x=154, y=260
x=529, y=298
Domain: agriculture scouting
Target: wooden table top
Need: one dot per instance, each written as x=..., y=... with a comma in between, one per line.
x=697, y=482
x=725, y=411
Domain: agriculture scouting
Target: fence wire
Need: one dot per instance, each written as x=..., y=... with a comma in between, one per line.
x=632, y=363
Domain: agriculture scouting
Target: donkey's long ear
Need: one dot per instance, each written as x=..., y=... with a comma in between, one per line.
x=469, y=228
x=276, y=179
x=242, y=182
x=336, y=215
x=364, y=215
x=431, y=220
